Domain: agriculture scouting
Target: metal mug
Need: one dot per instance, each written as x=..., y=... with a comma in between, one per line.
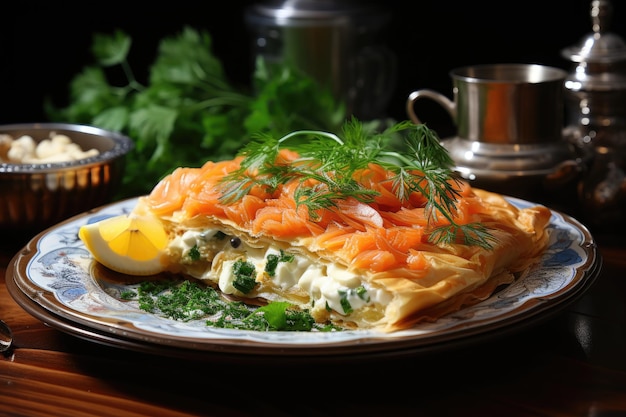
x=503, y=103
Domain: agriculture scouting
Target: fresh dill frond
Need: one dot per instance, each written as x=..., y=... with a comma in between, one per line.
x=257, y=168
x=259, y=152
x=326, y=194
x=473, y=234
x=326, y=168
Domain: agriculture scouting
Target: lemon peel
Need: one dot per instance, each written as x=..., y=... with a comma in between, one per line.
x=129, y=244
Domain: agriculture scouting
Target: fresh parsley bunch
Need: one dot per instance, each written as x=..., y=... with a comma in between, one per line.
x=188, y=111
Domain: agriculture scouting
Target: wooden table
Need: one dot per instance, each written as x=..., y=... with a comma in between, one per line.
x=571, y=364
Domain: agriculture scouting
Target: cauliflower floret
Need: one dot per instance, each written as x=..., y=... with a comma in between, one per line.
x=59, y=148
x=22, y=148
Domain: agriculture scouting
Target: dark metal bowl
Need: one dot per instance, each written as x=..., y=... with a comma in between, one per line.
x=36, y=196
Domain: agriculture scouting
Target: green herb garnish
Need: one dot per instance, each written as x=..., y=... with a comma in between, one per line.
x=128, y=295
x=189, y=300
x=273, y=260
x=424, y=167
x=345, y=303
x=360, y=292
x=245, y=276
x=194, y=253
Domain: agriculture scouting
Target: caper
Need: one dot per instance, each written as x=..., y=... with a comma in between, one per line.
x=235, y=242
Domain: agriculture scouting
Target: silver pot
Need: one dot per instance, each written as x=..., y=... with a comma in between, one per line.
x=596, y=119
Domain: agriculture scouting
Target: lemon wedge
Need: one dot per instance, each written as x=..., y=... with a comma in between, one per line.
x=129, y=244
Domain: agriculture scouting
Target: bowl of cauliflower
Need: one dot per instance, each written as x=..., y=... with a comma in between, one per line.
x=52, y=171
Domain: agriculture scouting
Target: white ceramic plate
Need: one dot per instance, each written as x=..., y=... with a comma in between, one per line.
x=55, y=278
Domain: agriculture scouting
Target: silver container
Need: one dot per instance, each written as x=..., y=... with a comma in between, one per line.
x=337, y=43
x=509, y=120
x=596, y=120
x=518, y=104
x=36, y=196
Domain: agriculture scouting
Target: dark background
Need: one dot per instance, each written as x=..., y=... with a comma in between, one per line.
x=43, y=46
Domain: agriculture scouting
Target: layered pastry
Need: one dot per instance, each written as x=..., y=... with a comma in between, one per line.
x=357, y=235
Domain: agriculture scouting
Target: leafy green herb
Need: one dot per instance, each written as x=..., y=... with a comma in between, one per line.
x=245, y=276
x=280, y=317
x=361, y=292
x=273, y=260
x=189, y=300
x=188, y=111
x=128, y=294
x=344, y=296
x=194, y=253
x=345, y=303
x=424, y=167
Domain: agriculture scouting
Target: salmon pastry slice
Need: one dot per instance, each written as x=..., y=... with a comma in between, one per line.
x=358, y=234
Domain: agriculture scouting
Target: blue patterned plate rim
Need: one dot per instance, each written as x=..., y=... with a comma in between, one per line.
x=53, y=278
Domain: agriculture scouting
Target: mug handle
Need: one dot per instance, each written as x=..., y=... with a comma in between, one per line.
x=439, y=98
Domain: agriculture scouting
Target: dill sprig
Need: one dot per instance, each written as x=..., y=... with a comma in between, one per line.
x=331, y=162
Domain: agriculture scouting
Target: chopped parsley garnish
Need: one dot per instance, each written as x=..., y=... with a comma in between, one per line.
x=345, y=303
x=245, y=276
x=189, y=300
x=273, y=260
x=128, y=294
x=360, y=292
x=194, y=253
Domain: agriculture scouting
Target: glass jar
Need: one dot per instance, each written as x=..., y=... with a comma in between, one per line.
x=339, y=43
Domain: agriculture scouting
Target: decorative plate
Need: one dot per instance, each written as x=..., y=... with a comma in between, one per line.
x=55, y=278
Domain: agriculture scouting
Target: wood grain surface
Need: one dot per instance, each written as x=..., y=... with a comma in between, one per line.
x=571, y=364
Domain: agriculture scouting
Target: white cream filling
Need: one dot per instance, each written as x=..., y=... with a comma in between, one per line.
x=328, y=285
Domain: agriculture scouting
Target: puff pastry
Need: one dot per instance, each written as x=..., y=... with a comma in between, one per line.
x=357, y=264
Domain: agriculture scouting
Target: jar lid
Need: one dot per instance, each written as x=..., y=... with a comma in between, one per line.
x=312, y=9
x=601, y=45
x=359, y=16
x=601, y=55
